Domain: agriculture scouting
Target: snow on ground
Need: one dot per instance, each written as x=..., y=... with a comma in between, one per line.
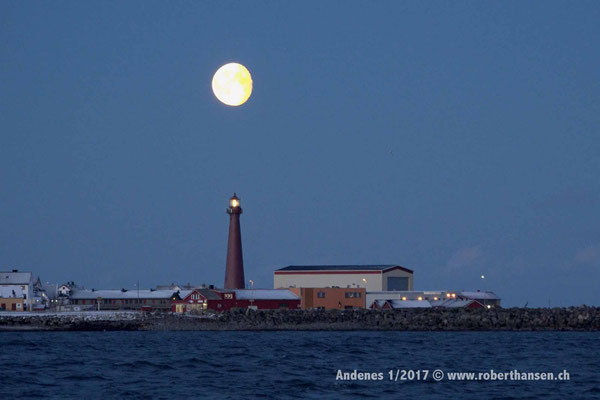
x=85, y=315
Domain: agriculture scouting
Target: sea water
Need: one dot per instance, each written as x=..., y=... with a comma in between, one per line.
x=296, y=364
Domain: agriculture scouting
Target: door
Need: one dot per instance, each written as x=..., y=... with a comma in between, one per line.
x=397, y=283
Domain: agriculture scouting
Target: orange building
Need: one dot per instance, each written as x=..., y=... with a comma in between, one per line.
x=330, y=298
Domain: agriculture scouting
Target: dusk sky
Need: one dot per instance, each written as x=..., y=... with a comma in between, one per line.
x=453, y=138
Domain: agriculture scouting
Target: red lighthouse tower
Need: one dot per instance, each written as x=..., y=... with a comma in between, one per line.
x=234, y=271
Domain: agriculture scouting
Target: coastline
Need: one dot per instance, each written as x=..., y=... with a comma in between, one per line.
x=581, y=318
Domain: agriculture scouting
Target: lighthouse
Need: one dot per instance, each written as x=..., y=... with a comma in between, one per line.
x=234, y=270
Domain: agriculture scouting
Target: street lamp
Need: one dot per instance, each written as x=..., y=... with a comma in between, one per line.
x=252, y=286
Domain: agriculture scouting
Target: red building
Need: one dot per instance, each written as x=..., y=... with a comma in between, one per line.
x=224, y=299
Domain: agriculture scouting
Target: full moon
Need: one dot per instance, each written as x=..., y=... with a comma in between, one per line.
x=232, y=84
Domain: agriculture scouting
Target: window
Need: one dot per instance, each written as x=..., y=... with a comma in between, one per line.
x=321, y=295
x=283, y=305
x=352, y=295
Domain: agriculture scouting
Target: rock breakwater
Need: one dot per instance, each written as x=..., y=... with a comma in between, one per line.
x=506, y=319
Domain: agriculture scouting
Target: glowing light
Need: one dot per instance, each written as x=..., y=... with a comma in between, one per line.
x=435, y=298
x=234, y=201
x=403, y=298
x=488, y=306
x=419, y=298
x=453, y=295
x=448, y=294
x=482, y=276
x=232, y=84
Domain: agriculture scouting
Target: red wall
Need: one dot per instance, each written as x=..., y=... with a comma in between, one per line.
x=227, y=304
x=260, y=304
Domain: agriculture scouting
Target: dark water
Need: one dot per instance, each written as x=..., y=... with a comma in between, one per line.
x=188, y=365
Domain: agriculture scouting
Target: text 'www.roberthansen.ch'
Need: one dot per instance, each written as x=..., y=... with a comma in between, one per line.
x=399, y=375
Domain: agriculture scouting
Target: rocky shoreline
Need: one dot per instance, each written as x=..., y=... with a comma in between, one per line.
x=503, y=319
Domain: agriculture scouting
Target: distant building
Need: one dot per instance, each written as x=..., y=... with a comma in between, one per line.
x=444, y=303
x=125, y=299
x=432, y=295
x=399, y=304
x=224, y=299
x=23, y=280
x=387, y=300
x=370, y=277
x=12, y=298
x=486, y=298
x=331, y=298
x=456, y=303
x=64, y=290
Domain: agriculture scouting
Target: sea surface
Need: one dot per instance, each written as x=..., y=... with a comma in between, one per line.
x=293, y=364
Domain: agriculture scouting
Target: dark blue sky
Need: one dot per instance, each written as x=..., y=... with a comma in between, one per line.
x=453, y=138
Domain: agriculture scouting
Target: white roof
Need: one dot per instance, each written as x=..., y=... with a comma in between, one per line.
x=265, y=294
x=451, y=303
x=118, y=294
x=439, y=303
x=15, y=278
x=479, y=295
x=410, y=303
x=182, y=293
x=11, y=291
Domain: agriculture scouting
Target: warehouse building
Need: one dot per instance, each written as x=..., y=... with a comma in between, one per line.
x=442, y=298
x=370, y=277
x=442, y=303
x=432, y=295
x=124, y=299
x=224, y=299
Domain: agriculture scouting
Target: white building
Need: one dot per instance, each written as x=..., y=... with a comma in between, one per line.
x=436, y=298
x=407, y=295
x=64, y=290
x=371, y=277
